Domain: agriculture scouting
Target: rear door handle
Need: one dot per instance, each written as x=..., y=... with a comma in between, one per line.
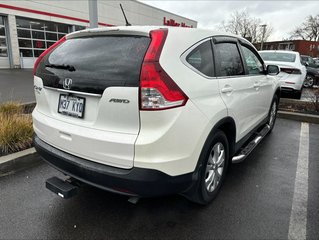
x=227, y=89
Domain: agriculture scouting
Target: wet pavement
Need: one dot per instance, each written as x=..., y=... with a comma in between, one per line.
x=255, y=201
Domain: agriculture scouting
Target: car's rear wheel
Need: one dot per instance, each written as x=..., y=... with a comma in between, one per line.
x=309, y=81
x=214, y=163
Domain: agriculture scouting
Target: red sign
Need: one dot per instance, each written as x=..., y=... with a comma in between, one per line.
x=172, y=22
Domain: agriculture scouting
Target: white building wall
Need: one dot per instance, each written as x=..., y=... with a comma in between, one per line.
x=109, y=12
x=76, y=13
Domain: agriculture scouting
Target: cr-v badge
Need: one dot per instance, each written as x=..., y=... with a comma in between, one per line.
x=67, y=82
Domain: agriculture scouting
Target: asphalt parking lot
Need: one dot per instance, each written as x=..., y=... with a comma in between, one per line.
x=274, y=193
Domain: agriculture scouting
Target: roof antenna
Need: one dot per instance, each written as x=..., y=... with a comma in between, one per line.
x=127, y=23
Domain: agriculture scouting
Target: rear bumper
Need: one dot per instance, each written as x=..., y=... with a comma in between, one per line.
x=132, y=182
x=289, y=90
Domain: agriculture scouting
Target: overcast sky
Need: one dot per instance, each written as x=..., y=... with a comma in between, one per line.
x=283, y=16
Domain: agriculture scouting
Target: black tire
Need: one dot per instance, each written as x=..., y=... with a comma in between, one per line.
x=297, y=94
x=199, y=192
x=271, y=122
x=309, y=81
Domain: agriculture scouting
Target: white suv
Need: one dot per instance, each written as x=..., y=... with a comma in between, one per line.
x=147, y=111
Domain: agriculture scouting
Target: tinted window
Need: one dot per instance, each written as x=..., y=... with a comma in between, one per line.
x=3, y=52
x=254, y=66
x=38, y=44
x=37, y=35
x=278, y=56
x=201, y=58
x=228, y=60
x=37, y=53
x=23, y=23
x=51, y=36
x=3, y=42
x=25, y=43
x=26, y=52
x=78, y=28
x=99, y=62
x=2, y=31
x=24, y=33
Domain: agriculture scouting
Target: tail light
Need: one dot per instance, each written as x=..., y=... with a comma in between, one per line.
x=291, y=70
x=45, y=53
x=158, y=91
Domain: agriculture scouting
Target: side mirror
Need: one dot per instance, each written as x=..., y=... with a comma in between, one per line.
x=306, y=64
x=272, y=69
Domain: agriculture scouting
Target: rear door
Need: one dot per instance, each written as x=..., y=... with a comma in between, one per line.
x=237, y=89
x=90, y=97
x=262, y=82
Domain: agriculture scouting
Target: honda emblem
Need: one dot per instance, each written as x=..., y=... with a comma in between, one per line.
x=67, y=83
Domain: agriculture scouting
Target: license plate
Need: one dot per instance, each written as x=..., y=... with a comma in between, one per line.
x=71, y=106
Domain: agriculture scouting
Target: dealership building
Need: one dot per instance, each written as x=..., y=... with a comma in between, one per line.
x=27, y=28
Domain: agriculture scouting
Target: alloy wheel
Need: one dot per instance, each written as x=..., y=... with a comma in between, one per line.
x=308, y=81
x=215, y=167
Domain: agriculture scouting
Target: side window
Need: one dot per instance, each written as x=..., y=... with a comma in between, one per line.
x=254, y=66
x=201, y=58
x=229, y=60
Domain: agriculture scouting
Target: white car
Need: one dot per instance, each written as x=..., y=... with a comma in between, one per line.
x=292, y=73
x=148, y=111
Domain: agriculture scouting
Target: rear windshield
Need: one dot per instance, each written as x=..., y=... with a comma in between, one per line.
x=99, y=62
x=278, y=57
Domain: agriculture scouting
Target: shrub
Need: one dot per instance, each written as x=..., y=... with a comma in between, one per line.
x=15, y=128
x=10, y=108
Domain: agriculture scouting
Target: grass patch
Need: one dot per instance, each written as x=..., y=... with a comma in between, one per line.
x=15, y=128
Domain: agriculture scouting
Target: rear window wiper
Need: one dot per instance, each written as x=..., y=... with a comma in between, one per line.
x=57, y=66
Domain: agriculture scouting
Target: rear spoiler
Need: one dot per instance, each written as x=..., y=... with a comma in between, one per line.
x=106, y=31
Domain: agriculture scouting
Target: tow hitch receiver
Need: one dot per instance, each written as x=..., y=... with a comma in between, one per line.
x=64, y=189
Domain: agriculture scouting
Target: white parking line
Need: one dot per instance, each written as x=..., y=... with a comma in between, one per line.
x=298, y=216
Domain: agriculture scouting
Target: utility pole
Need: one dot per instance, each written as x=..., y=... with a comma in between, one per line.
x=93, y=13
x=263, y=36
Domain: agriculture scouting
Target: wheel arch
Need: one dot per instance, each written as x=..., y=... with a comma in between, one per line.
x=228, y=126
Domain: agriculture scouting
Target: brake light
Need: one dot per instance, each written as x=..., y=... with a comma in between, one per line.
x=291, y=70
x=158, y=91
x=47, y=51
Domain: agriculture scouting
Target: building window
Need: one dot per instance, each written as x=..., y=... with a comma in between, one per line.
x=34, y=36
x=78, y=28
x=3, y=40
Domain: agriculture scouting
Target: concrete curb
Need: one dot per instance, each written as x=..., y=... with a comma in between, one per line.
x=299, y=117
x=18, y=161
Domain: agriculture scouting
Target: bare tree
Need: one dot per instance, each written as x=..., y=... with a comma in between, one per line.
x=308, y=30
x=240, y=23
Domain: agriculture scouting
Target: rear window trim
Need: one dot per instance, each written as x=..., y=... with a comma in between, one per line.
x=183, y=58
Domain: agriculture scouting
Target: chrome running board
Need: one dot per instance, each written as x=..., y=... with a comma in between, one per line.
x=244, y=152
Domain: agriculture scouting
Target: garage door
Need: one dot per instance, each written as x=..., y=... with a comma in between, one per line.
x=34, y=36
